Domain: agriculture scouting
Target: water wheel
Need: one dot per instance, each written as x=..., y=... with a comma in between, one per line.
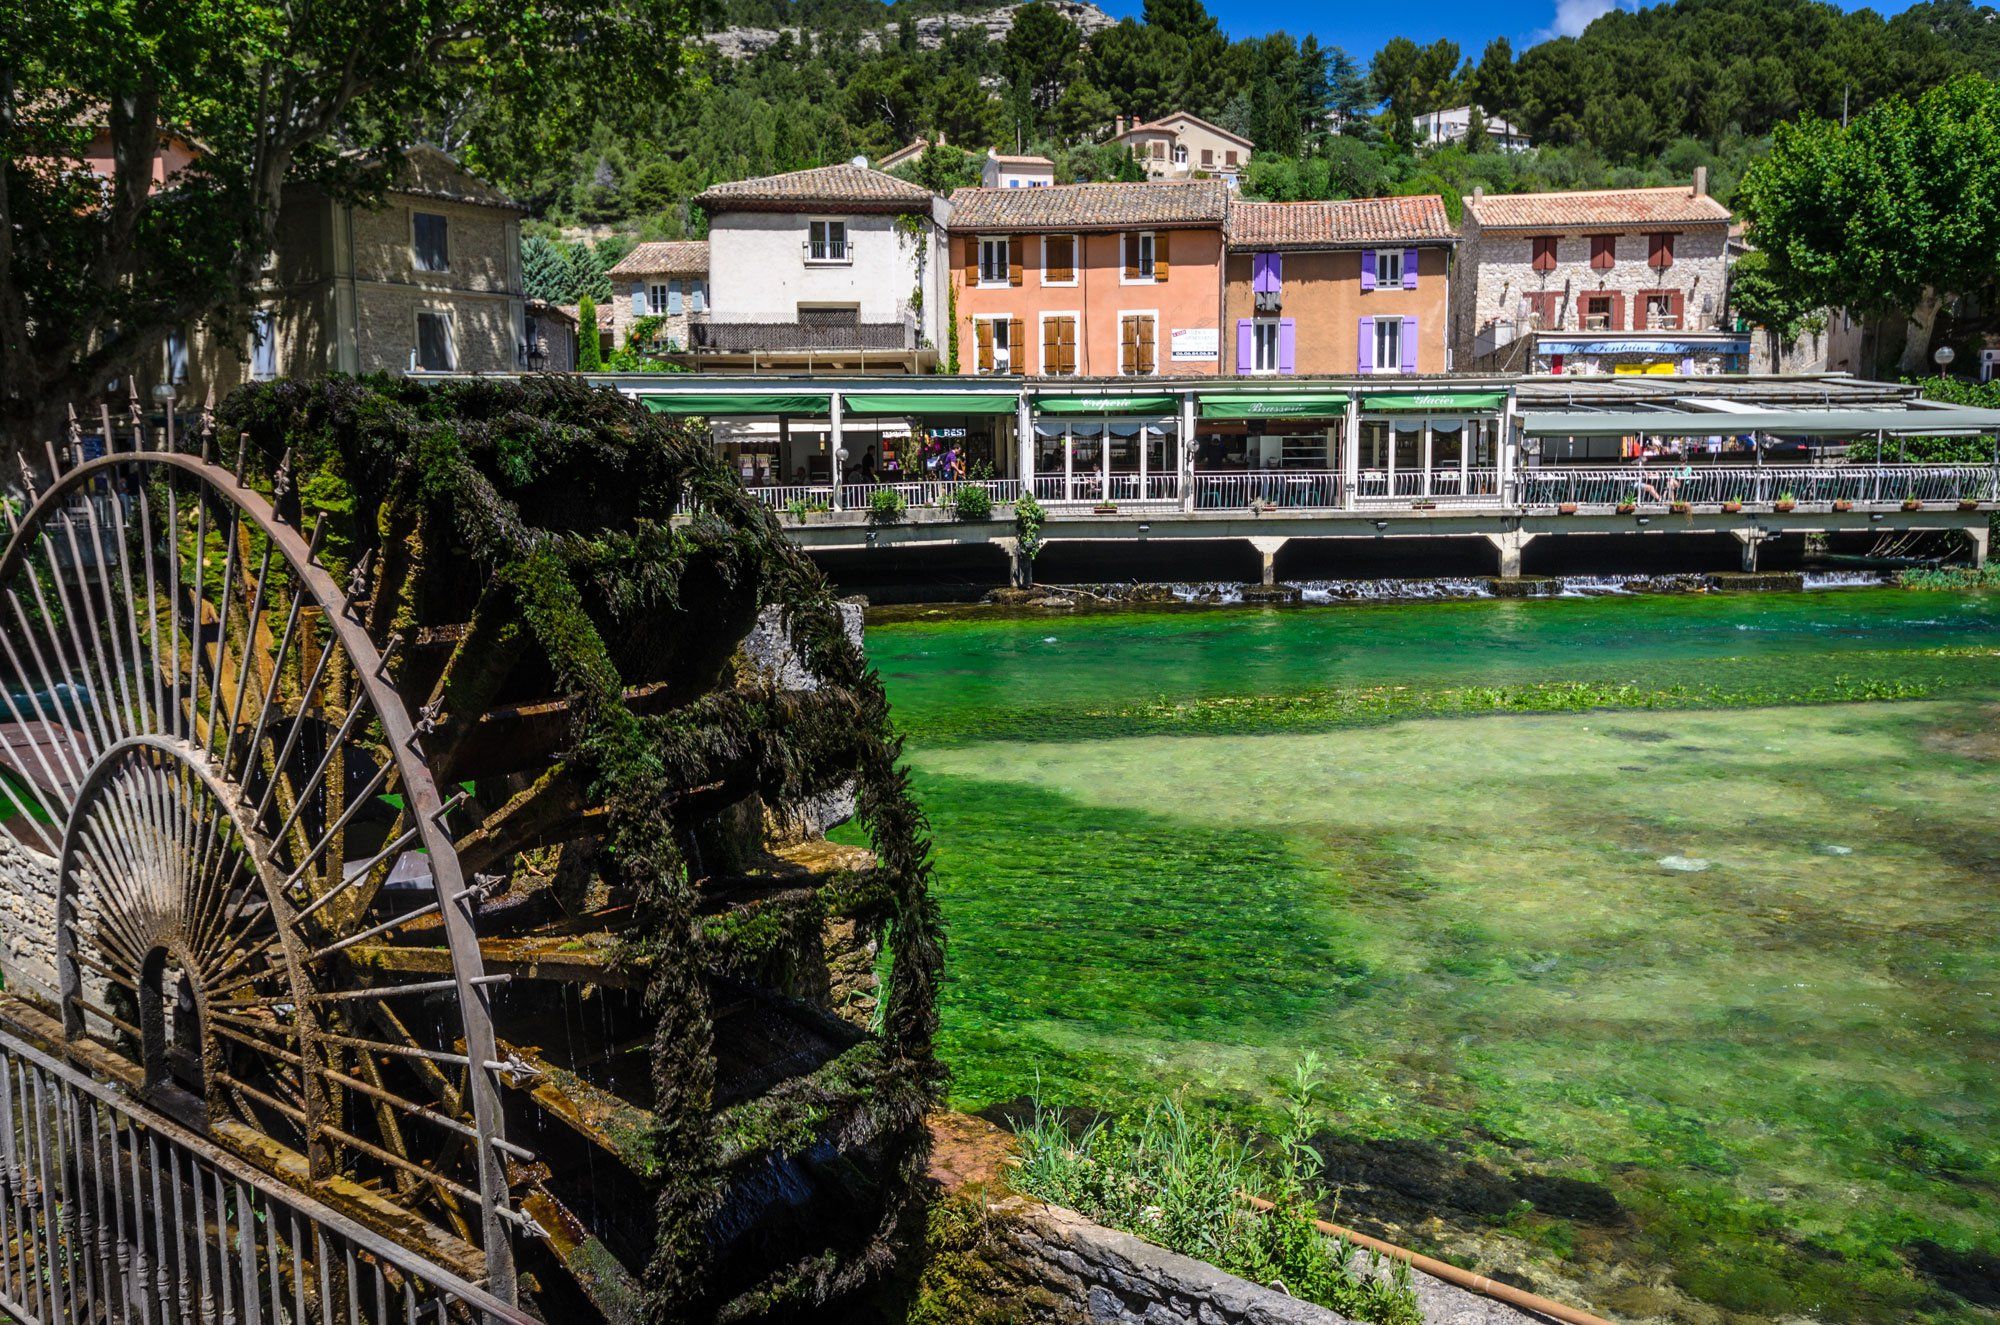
x=435, y=822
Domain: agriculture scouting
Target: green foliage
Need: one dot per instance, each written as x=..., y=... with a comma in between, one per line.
x=550, y=502
x=800, y=507
x=1028, y=518
x=971, y=501
x=545, y=270
x=1935, y=578
x=1178, y=1179
x=589, y=343
x=1959, y=450
x=951, y=330
x=886, y=506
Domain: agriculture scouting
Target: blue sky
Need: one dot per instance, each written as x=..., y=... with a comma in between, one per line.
x=1470, y=23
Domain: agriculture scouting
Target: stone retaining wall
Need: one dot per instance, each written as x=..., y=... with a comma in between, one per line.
x=27, y=920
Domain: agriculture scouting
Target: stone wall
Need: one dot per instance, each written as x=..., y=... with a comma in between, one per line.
x=27, y=920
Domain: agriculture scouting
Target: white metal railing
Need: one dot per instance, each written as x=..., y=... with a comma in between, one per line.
x=927, y=492
x=780, y=497
x=1713, y=485
x=1300, y=489
x=109, y=1212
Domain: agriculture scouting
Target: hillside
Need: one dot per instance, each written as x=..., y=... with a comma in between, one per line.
x=740, y=41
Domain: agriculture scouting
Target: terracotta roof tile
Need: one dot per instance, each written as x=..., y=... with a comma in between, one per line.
x=1182, y=203
x=1280, y=225
x=1674, y=205
x=854, y=187
x=673, y=257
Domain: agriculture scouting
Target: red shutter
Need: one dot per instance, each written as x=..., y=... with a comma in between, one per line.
x=1679, y=309
x=1617, y=312
x=1660, y=252
x=1639, y=310
x=1603, y=252
x=1544, y=253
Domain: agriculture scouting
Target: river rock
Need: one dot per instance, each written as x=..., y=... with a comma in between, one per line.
x=1683, y=864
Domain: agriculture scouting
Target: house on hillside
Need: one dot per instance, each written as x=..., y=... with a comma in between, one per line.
x=1439, y=127
x=1016, y=172
x=426, y=279
x=834, y=269
x=1323, y=288
x=1090, y=280
x=1603, y=281
x=667, y=280
x=909, y=152
x=1184, y=146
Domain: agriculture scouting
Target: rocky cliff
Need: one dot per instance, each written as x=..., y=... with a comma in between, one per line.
x=736, y=43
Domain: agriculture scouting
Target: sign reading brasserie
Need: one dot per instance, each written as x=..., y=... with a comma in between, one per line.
x=1195, y=343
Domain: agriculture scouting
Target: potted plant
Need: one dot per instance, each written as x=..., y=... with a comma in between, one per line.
x=1104, y=508
x=1627, y=507
x=1733, y=505
x=1785, y=503
x=1912, y=504
x=1680, y=507
x=1423, y=506
x=1566, y=508
x=1841, y=505
x=1968, y=503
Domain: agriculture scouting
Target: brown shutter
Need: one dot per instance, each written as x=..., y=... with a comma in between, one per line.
x=982, y=332
x=1639, y=310
x=1617, y=312
x=972, y=259
x=1147, y=363
x=1545, y=253
x=1128, y=345
x=1677, y=305
x=1017, y=345
x=1014, y=246
x=1603, y=252
x=1660, y=252
x=1058, y=258
x=1131, y=242
x=1160, y=256
x=1069, y=345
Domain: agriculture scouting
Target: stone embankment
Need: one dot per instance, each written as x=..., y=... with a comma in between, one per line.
x=1416, y=590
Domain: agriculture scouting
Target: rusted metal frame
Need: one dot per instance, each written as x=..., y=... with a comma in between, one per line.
x=95, y=719
x=103, y=577
x=52, y=1242
x=13, y=1235
x=420, y=792
x=22, y=1196
x=105, y=691
x=556, y=798
x=71, y=776
x=251, y=645
x=82, y=1211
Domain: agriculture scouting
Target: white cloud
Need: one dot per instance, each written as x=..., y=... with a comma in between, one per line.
x=1573, y=16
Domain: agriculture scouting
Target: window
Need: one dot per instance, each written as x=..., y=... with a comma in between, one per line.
x=1264, y=345
x=1546, y=308
x=1603, y=252
x=1207, y=157
x=1180, y=154
x=1159, y=149
x=1137, y=344
x=1660, y=251
x=1660, y=310
x=1059, y=260
x=1389, y=269
x=263, y=345
x=1141, y=256
x=1598, y=312
x=176, y=358
x=1229, y=158
x=995, y=261
x=1388, y=345
x=435, y=352
x=427, y=242
x=658, y=300
x=1544, y=250
x=1059, y=345
x=997, y=340
x=826, y=241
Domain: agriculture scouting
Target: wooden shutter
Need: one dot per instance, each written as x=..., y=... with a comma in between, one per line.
x=1128, y=345
x=1545, y=253
x=1068, y=328
x=1367, y=268
x=1409, y=269
x=1014, y=243
x=1058, y=258
x=1148, y=361
x=972, y=259
x=1246, y=344
x=1160, y=256
x=1365, y=360
x=1677, y=305
x=1660, y=252
x=982, y=332
x=1131, y=242
x=1603, y=252
x=1639, y=318
x=1409, y=345
x=1288, y=346
x=1017, y=346
x=1617, y=312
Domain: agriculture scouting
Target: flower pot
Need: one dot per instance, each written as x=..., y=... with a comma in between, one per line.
x=1732, y=507
x=1843, y=506
x=1567, y=508
x=1104, y=508
x=1679, y=508
x=1626, y=507
x=1912, y=504
x=1783, y=507
x=1968, y=505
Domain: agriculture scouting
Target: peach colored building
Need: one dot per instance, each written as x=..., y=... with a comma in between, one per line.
x=1331, y=288
x=1090, y=280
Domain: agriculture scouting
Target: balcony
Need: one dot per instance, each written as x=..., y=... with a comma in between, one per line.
x=817, y=335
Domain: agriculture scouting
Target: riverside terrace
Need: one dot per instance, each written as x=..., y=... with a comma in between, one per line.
x=1507, y=459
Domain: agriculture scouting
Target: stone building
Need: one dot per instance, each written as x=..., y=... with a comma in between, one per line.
x=1604, y=281
x=1184, y=146
x=666, y=280
x=1327, y=288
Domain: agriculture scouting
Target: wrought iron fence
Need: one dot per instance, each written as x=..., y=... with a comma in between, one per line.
x=110, y=1213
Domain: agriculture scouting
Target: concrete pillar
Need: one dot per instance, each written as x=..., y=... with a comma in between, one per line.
x=836, y=443
x=1020, y=571
x=1509, y=545
x=1979, y=536
x=1507, y=455
x=1350, y=460
x=1750, y=538
x=1024, y=444
x=1186, y=439
x=1268, y=549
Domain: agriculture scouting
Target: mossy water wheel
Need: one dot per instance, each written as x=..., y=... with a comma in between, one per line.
x=436, y=789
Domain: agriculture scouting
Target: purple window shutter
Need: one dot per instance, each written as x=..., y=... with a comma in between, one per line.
x=1276, y=268
x=1260, y=273
x=1409, y=269
x=1367, y=268
x=1288, y=346
x=1409, y=345
x=1367, y=364
x=1246, y=348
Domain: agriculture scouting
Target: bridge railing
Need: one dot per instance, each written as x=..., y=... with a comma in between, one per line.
x=111, y=1213
x=1711, y=485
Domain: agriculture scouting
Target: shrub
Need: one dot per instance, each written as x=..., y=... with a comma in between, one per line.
x=589, y=349
x=1028, y=517
x=971, y=501
x=886, y=506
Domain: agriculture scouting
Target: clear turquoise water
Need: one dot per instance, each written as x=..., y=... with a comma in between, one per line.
x=1176, y=849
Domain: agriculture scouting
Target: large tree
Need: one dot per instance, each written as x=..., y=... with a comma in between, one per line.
x=1898, y=212
x=99, y=266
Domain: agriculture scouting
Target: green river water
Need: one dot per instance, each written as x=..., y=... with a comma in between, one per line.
x=1654, y=942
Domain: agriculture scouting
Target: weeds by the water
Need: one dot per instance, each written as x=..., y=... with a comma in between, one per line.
x=1950, y=577
x=1178, y=1180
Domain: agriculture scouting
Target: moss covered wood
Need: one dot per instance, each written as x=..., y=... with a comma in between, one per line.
x=526, y=533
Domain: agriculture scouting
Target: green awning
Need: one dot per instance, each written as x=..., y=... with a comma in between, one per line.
x=707, y=403
x=1105, y=404
x=1275, y=405
x=1778, y=422
x=1436, y=402
x=930, y=402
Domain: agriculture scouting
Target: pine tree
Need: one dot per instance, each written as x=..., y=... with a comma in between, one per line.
x=589, y=348
x=545, y=271
x=587, y=267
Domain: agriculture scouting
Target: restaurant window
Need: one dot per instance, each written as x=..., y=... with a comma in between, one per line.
x=435, y=351
x=263, y=345
x=1059, y=346
x=1388, y=345
x=1544, y=249
x=1603, y=252
x=428, y=242
x=995, y=261
x=1059, y=260
x=1137, y=343
x=826, y=241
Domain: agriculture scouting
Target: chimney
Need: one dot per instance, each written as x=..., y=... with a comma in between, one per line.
x=940, y=141
x=1478, y=192
x=1118, y=126
x=1700, y=181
